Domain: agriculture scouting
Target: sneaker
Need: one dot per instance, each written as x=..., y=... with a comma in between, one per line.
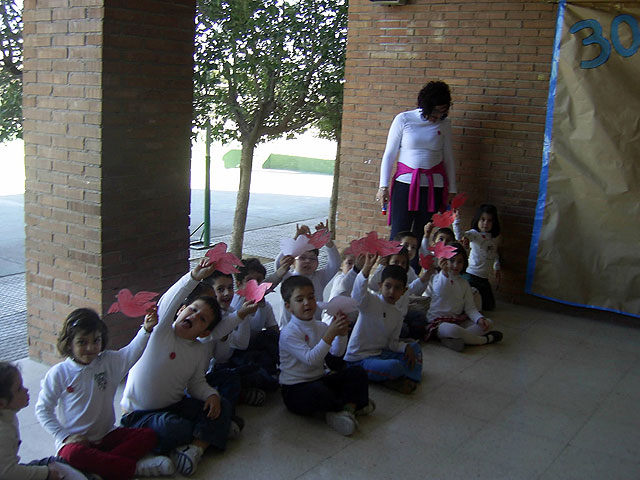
x=367, y=409
x=252, y=396
x=493, y=336
x=155, y=466
x=456, y=344
x=237, y=424
x=186, y=459
x=342, y=422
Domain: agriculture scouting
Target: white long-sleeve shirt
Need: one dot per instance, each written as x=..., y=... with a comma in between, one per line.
x=378, y=325
x=414, y=287
x=83, y=394
x=10, y=467
x=263, y=318
x=170, y=364
x=221, y=349
x=302, y=350
x=319, y=278
x=418, y=143
x=451, y=296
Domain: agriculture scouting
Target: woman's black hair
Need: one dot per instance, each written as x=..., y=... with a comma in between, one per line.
x=462, y=251
x=8, y=373
x=433, y=94
x=81, y=320
x=491, y=210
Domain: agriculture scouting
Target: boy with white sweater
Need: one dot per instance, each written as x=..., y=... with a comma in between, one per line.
x=304, y=344
x=375, y=344
x=175, y=362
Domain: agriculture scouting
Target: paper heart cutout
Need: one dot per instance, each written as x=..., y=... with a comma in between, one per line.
x=295, y=248
x=133, y=306
x=254, y=292
x=222, y=260
x=444, y=219
x=340, y=303
x=319, y=238
x=426, y=261
x=458, y=201
x=443, y=251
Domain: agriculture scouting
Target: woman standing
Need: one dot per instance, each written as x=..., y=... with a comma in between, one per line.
x=419, y=143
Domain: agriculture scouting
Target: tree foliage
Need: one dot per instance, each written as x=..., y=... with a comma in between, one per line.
x=10, y=70
x=265, y=68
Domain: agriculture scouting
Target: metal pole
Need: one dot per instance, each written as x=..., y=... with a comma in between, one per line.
x=206, y=239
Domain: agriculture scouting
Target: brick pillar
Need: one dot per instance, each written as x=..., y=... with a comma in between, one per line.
x=108, y=108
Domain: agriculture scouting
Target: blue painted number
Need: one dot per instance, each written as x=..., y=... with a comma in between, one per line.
x=597, y=38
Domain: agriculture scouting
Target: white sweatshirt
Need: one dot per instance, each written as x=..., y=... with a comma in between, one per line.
x=84, y=394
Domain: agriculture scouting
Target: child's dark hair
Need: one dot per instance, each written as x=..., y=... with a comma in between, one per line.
x=406, y=233
x=204, y=292
x=291, y=283
x=81, y=320
x=250, y=265
x=433, y=94
x=314, y=250
x=395, y=272
x=403, y=253
x=8, y=372
x=211, y=279
x=445, y=231
x=491, y=210
x=462, y=251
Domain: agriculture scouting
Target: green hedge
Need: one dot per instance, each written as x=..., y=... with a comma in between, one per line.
x=231, y=159
x=299, y=164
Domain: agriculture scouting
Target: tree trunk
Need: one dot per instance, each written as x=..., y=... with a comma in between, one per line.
x=242, y=200
x=333, y=206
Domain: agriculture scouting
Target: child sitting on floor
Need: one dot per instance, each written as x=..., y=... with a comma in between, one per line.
x=306, y=264
x=304, y=344
x=82, y=389
x=409, y=241
x=228, y=353
x=414, y=321
x=175, y=363
x=453, y=314
x=264, y=335
x=375, y=342
x=14, y=396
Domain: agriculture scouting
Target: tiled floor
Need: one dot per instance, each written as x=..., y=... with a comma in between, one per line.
x=558, y=399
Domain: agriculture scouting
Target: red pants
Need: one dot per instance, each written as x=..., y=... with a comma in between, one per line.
x=115, y=456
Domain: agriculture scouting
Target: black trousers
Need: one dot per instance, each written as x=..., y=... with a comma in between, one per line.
x=329, y=393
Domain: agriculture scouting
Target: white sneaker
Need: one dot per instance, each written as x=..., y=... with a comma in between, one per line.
x=187, y=458
x=155, y=466
x=342, y=422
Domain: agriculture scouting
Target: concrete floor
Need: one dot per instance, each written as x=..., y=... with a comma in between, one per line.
x=558, y=399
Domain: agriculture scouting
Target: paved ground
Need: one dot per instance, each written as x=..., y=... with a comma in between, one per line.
x=270, y=218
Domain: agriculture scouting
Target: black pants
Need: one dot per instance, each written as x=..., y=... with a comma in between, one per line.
x=402, y=219
x=329, y=393
x=484, y=287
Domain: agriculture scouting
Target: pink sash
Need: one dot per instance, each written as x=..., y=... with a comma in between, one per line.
x=414, y=187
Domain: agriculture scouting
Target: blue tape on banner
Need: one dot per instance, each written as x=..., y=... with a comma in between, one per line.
x=546, y=151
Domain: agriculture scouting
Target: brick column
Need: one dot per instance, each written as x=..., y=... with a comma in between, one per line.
x=107, y=107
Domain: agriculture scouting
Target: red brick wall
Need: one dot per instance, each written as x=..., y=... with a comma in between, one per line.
x=496, y=56
x=107, y=107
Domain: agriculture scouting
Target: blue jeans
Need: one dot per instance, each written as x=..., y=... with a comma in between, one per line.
x=181, y=422
x=392, y=365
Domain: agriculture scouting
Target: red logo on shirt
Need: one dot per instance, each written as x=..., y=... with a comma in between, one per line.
x=438, y=132
x=70, y=389
x=172, y=355
x=306, y=338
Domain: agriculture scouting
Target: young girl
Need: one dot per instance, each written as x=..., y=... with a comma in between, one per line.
x=484, y=238
x=14, y=397
x=453, y=314
x=83, y=387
